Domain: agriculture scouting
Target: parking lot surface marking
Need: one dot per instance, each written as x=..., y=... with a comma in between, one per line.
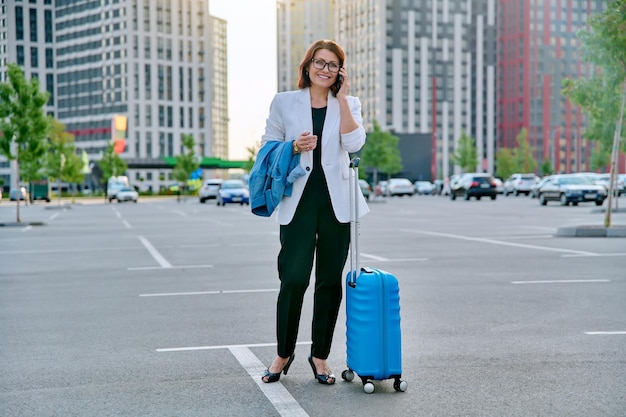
x=254, y=345
x=155, y=253
x=172, y=294
x=147, y=268
x=605, y=333
x=128, y=226
x=501, y=242
x=561, y=281
x=275, y=392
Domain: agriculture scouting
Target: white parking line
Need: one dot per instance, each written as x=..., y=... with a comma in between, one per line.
x=54, y=216
x=561, y=281
x=605, y=333
x=500, y=242
x=27, y=228
x=128, y=226
x=173, y=294
x=381, y=259
x=180, y=213
x=155, y=254
x=276, y=393
x=374, y=257
x=147, y=268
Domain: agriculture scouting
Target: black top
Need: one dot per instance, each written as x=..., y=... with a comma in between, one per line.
x=319, y=115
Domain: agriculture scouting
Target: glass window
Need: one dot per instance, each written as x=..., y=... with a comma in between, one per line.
x=49, y=58
x=48, y=25
x=50, y=88
x=19, y=23
x=20, y=55
x=33, y=25
x=34, y=58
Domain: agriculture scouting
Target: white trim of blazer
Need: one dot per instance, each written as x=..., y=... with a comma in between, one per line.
x=290, y=115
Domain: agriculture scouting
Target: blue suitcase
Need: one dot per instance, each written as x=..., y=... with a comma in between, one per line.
x=373, y=334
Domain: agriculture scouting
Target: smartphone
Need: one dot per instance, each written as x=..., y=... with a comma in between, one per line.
x=339, y=81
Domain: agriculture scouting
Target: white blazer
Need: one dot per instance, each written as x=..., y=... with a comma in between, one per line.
x=290, y=115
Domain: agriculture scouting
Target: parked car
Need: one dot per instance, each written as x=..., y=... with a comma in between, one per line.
x=209, y=189
x=381, y=188
x=475, y=184
x=605, y=179
x=534, y=190
x=126, y=194
x=571, y=188
x=518, y=184
x=365, y=189
x=14, y=193
x=233, y=191
x=424, y=187
x=400, y=187
x=622, y=177
x=499, y=185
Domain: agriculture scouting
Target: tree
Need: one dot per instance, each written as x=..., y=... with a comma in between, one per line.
x=187, y=162
x=252, y=152
x=62, y=164
x=505, y=163
x=111, y=165
x=466, y=155
x=546, y=167
x=603, y=44
x=380, y=153
x=524, y=160
x=23, y=123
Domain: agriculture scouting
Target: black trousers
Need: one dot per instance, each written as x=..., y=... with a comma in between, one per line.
x=314, y=233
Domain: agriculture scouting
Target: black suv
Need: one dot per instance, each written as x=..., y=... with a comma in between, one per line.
x=474, y=184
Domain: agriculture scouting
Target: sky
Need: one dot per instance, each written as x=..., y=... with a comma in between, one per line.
x=251, y=32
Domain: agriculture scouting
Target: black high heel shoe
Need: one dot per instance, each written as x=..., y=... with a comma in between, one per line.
x=273, y=377
x=326, y=379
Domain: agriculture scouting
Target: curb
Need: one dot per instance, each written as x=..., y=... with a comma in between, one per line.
x=22, y=224
x=603, y=210
x=592, y=231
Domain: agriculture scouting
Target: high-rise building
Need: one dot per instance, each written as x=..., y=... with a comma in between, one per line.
x=299, y=24
x=27, y=39
x=160, y=63
x=537, y=51
x=423, y=70
x=443, y=67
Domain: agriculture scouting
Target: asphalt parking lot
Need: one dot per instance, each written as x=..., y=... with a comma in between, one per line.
x=167, y=309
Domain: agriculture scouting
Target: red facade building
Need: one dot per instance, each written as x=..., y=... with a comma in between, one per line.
x=537, y=50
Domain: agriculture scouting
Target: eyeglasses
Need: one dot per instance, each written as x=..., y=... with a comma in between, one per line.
x=320, y=64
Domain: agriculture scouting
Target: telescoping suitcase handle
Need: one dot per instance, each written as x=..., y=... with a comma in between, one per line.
x=354, y=221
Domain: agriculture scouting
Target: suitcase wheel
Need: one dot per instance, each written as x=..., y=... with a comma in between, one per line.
x=400, y=385
x=347, y=375
x=368, y=387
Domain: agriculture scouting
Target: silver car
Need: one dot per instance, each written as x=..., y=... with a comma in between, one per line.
x=571, y=188
x=400, y=187
x=518, y=184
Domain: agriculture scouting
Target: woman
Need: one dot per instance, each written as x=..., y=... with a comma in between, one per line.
x=324, y=125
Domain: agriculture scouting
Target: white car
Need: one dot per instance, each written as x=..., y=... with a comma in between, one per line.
x=424, y=187
x=400, y=187
x=127, y=194
x=210, y=189
x=518, y=184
